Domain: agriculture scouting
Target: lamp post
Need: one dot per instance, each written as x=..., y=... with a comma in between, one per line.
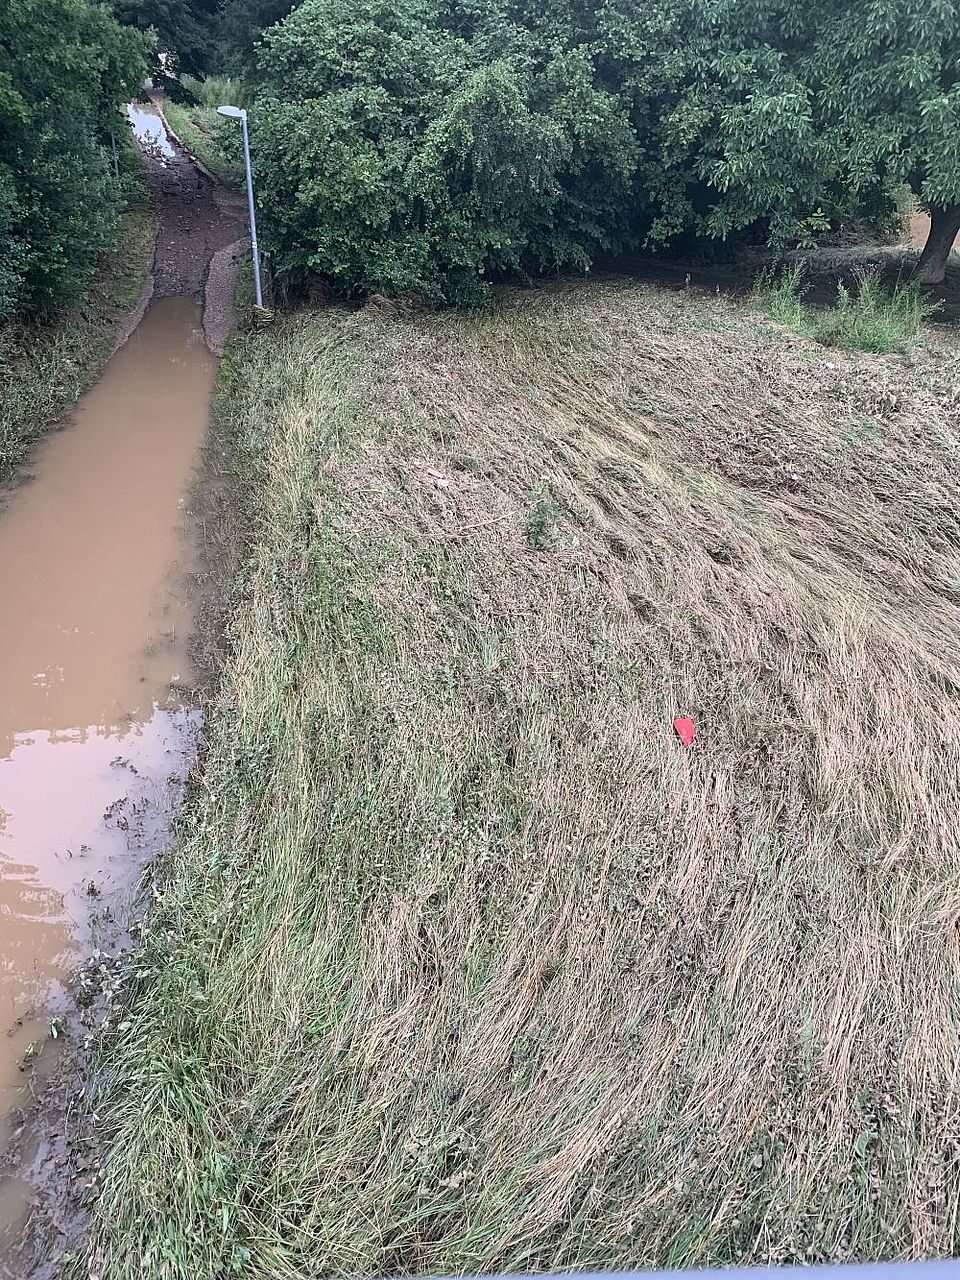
x=238, y=113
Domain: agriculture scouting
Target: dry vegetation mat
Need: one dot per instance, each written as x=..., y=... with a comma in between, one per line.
x=463, y=962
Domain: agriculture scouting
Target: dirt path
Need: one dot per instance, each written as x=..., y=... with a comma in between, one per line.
x=201, y=237
x=197, y=218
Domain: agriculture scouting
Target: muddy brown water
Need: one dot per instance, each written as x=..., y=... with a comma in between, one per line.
x=149, y=132
x=95, y=584
x=97, y=732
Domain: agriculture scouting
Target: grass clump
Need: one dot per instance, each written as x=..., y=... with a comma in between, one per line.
x=215, y=142
x=541, y=525
x=781, y=296
x=45, y=366
x=868, y=317
x=872, y=318
x=461, y=962
x=216, y=91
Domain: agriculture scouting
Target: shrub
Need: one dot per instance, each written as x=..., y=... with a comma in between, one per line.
x=214, y=91
x=64, y=67
x=872, y=319
x=397, y=154
x=865, y=318
x=13, y=250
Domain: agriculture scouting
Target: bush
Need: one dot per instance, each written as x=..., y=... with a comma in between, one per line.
x=871, y=319
x=64, y=67
x=867, y=318
x=214, y=91
x=396, y=154
x=13, y=250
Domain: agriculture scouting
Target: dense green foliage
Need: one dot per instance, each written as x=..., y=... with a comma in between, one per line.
x=242, y=23
x=402, y=152
x=65, y=65
x=45, y=366
x=802, y=109
x=194, y=37
x=185, y=33
x=430, y=144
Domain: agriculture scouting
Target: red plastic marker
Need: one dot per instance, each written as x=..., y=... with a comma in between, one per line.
x=685, y=730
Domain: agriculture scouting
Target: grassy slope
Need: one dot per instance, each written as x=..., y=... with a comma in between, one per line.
x=462, y=962
x=44, y=369
x=198, y=129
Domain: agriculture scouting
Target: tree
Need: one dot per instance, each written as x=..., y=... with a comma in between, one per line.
x=185, y=32
x=433, y=144
x=810, y=109
x=405, y=146
x=893, y=98
x=242, y=24
x=65, y=65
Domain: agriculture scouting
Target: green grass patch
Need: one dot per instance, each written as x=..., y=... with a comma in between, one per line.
x=781, y=296
x=216, y=91
x=46, y=367
x=866, y=317
x=214, y=141
x=541, y=525
x=461, y=962
x=872, y=318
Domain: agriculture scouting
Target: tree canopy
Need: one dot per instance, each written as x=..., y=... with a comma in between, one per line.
x=407, y=148
x=185, y=30
x=241, y=24
x=65, y=65
x=432, y=144
x=803, y=109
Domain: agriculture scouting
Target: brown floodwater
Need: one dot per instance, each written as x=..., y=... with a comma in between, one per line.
x=95, y=617
x=149, y=132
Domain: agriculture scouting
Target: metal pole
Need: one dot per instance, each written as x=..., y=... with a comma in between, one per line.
x=253, y=215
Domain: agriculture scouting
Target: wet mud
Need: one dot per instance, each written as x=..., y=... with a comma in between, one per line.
x=198, y=217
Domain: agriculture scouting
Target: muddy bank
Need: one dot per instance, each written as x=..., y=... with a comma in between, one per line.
x=197, y=217
x=99, y=570
x=201, y=223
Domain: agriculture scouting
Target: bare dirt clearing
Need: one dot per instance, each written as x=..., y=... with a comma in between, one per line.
x=463, y=962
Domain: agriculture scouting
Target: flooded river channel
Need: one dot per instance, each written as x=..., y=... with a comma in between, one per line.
x=96, y=586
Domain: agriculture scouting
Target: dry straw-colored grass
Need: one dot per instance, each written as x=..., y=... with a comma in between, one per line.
x=463, y=963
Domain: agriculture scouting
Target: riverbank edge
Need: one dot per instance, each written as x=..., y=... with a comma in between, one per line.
x=50, y=366
x=187, y=136
x=56, y=1147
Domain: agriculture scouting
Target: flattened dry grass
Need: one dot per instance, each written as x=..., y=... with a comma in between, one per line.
x=462, y=962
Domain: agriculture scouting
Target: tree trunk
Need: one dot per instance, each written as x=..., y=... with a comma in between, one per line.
x=944, y=228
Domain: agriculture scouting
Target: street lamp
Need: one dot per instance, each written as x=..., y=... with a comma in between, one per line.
x=238, y=113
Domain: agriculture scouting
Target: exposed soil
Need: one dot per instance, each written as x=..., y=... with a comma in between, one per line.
x=198, y=217
x=918, y=229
